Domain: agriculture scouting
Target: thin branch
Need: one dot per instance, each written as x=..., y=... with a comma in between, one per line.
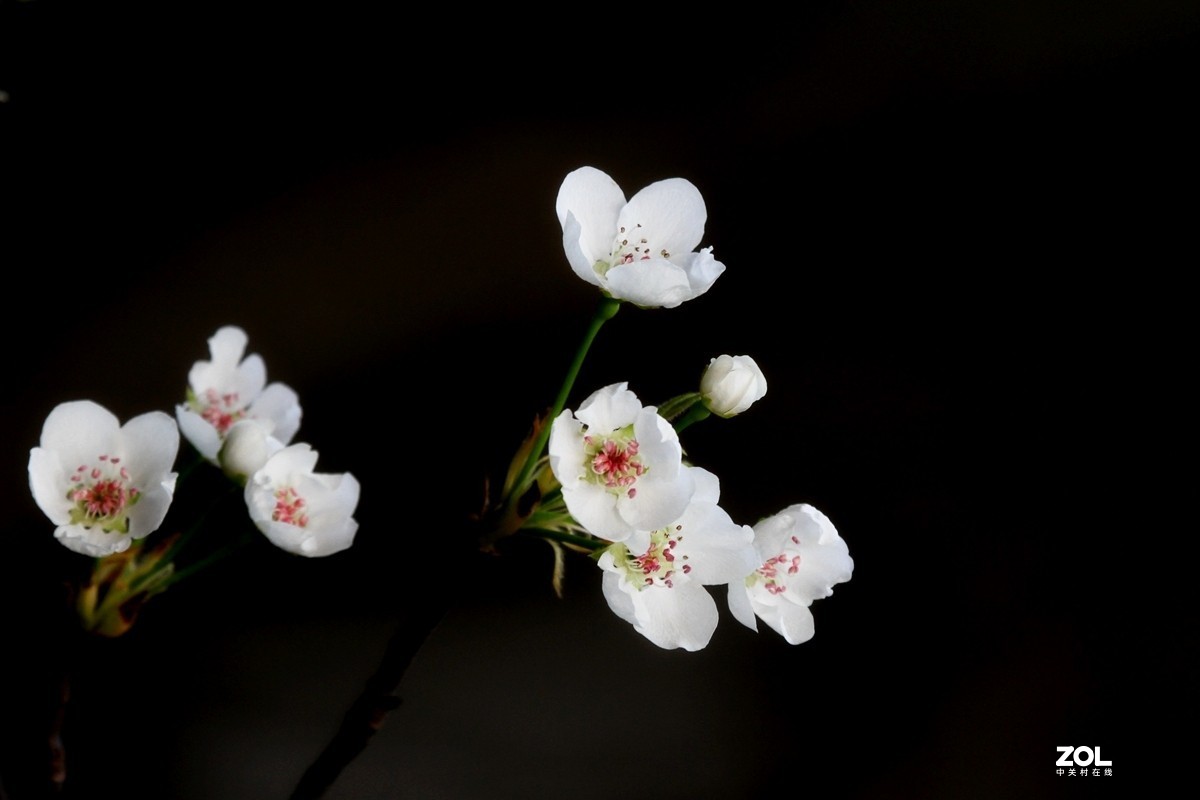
x=370, y=710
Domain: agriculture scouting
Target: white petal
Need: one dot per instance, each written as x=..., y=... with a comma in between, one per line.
x=79, y=432
x=684, y=616
x=618, y=597
x=708, y=486
x=659, y=500
x=566, y=449
x=284, y=466
x=581, y=263
x=595, y=200
x=795, y=623
x=652, y=283
x=702, y=270
x=609, y=409
x=148, y=446
x=199, y=432
x=595, y=508
x=92, y=541
x=49, y=483
x=280, y=406
x=147, y=515
x=671, y=214
x=740, y=606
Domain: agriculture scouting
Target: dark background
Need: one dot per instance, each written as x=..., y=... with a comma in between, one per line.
x=954, y=234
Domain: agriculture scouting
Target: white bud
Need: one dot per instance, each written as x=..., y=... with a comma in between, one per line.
x=247, y=447
x=731, y=384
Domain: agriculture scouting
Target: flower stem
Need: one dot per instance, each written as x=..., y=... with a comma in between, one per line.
x=567, y=538
x=695, y=414
x=364, y=719
x=608, y=309
x=209, y=560
x=169, y=557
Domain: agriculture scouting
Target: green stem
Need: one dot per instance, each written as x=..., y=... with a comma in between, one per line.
x=568, y=538
x=695, y=414
x=209, y=560
x=677, y=405
x=608, y=309
x=179, y=544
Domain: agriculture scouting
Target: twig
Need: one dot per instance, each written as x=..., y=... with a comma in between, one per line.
x=58, y=751
x=370, y=710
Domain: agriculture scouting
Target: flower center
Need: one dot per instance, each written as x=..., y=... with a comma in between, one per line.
x=659, y=566
x=630, y=246
x=612, y=461
x=290, y=508
x=102, y=495
x=770, y=572
x=219, y=410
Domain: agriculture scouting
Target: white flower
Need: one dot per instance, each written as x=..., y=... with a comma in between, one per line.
x=300, y=511
x=620, y=465
x=801, y=557
x=655, y=580
x=101, y=483
x=228, y=389
x=731, y=384
x=640, y=251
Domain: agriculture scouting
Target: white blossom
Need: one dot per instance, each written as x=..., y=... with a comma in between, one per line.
x=620, y=465
x=102, y=483
x=227, y=389
x=299, y=510
x=801, y=557
x=643, y=250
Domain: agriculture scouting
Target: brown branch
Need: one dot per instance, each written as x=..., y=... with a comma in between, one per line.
x=58, y=751
x=370, y=710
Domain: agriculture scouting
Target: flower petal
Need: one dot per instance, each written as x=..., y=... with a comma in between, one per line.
x=280, y=406
x=566, y=449
x=148, y=446
x=740, y=605
x=702, y=270
x=684, y=616
x=670, y=213
x=595, y=200
x=652, y=283
x=47, y=479
x=199, y=432
x=584, y=266
x=151, y=509
x=91, y=541
x=595, y=508
x=79, y=432
x=609, y=409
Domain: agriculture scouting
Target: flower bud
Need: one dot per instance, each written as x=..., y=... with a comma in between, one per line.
x=731, y=384
x=247, y=447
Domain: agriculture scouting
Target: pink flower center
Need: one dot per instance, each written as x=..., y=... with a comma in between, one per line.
x=772, y=567
x=660, y=565
x=633, y=245
x=290, y=508
x=614, y=463
x=220, y=410
x=102, y=495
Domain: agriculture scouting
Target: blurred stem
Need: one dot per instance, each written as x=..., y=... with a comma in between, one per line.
x=209, y=560
x=608, y=309
x=169, y=557
x=567, y=538
x=368, y=713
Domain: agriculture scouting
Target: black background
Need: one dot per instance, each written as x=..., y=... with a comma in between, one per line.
x=955, y=237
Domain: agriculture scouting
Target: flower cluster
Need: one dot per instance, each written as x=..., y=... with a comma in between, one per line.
x=652, y=519
x=106, y=486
